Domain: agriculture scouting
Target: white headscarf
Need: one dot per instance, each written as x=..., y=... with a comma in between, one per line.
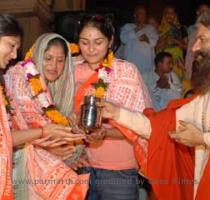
x=62, y=89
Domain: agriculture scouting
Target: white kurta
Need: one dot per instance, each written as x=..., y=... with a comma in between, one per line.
x=196, y=112
x=161, y=96
x=139, y=52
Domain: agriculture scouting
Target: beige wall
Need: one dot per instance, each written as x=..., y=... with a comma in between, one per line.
x=33, y=15
x=33, y=28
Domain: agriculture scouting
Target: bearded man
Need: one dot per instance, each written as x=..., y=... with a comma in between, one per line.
x=178, y=164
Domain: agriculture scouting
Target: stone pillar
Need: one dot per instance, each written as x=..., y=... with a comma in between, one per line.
x=33, y=15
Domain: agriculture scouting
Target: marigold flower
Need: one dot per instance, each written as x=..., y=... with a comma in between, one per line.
x=56, y=117
x=29, y=53
x=5, y=99
x=100, y=91
x=50, y=111
x=6, y=103
x=35, y=85
x=108, y=61
x=74, y=48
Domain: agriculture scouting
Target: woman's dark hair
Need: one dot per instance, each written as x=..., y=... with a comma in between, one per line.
x=9, y=26
x=100, y=22
x=58, y=42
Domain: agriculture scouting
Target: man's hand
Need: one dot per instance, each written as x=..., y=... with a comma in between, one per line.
x=96, y=136
x=188, y=134
x=144, y=38
x=163, y=82
x=110, y=111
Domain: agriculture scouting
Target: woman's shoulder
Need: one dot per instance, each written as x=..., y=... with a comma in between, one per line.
x=80, y=65
x=16, y=81
x=125, y=69
x=82, y=72
x=120, y=63
x=16, y=69
x=81, y=68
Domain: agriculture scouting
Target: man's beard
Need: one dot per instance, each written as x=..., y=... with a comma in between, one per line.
x=201, y=72
x=202, y=54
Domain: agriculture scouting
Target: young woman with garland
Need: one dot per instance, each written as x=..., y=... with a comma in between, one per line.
x=113, y=167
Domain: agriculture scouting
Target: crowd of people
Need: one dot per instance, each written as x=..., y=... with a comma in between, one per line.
x=155, y=110
x=146, y=37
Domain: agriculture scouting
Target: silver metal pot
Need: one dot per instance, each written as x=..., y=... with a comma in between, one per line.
x=90, y=117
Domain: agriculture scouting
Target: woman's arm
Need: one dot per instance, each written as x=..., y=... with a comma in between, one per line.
x=24, y=136
x=64, y=151
x=52, y=131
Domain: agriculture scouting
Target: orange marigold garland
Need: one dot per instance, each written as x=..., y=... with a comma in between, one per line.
x=108, y=61
x=37, y=89
x=35, y=84
x=100, y=88
x=103, y=70
x=29, y=53
x=5, y=100
x=55, y=115
x=74, y=49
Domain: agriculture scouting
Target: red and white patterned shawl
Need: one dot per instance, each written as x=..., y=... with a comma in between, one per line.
x=40, y=164
x=127, y=90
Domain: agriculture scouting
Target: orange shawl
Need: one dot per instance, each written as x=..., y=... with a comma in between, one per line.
x=204, y=185
x=170, y=165
x=6, y=191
